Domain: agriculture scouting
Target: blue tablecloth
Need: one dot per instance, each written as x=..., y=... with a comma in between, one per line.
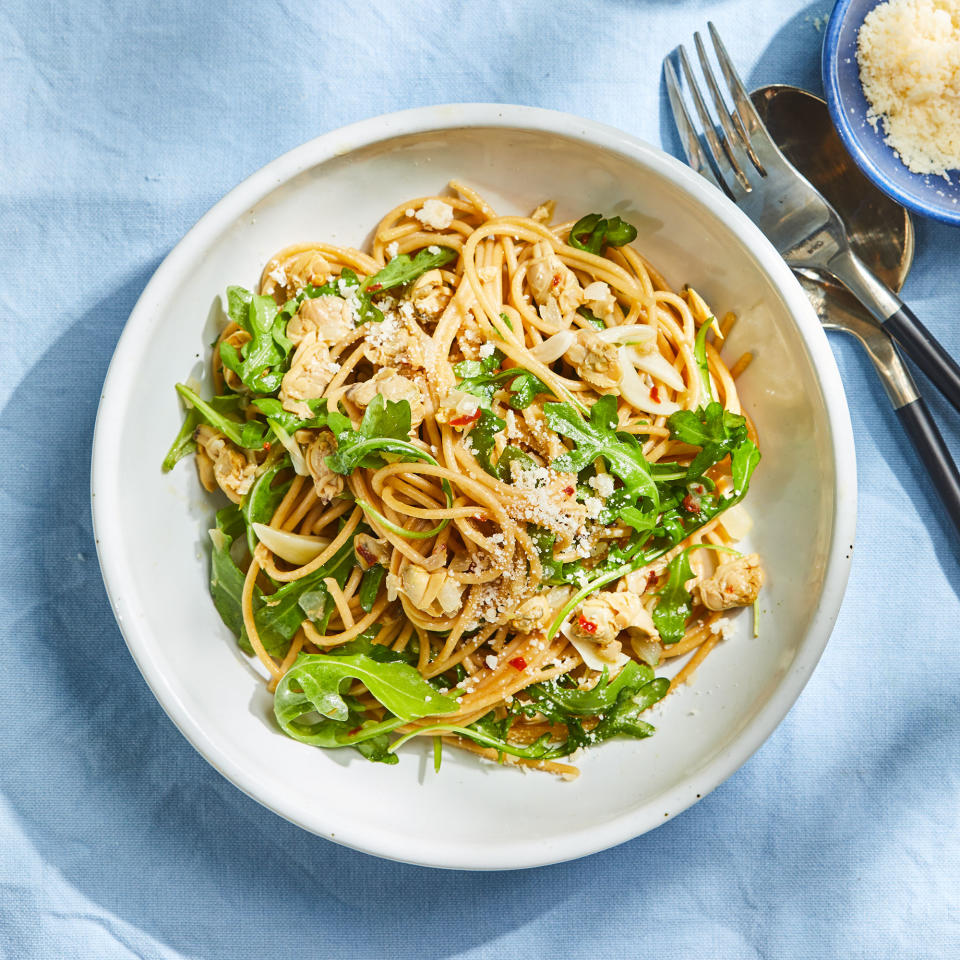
x=120, y=124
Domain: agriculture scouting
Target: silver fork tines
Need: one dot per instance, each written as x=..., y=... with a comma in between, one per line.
x=739, y=149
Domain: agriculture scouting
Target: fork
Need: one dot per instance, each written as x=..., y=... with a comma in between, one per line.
x=742, y=160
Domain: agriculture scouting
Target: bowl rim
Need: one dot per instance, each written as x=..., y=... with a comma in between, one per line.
x=106, y=473
x=845, y=129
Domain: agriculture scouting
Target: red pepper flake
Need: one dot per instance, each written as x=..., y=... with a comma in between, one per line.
x=652, y=578
x=266, y=445
x=587, y=626
x=374, y=287
x=366, y=554
x=518, y=663
x=569, y=491
x=655, y=393
x=555, y=282
x=691, y=504
x=354, y=731
x=466, y=419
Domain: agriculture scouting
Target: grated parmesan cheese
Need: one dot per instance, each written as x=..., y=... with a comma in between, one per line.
x=435, y=213
x=909, y=57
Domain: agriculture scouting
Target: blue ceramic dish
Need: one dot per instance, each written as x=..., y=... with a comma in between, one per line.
x=929, y=196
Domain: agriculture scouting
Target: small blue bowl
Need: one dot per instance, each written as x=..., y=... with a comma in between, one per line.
x=928, y=195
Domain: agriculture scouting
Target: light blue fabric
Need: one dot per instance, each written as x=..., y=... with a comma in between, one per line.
x=120, y=124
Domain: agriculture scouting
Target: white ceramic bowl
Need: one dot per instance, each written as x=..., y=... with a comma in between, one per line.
x=151, y=527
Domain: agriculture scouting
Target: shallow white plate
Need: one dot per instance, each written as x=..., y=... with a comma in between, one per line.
x=151, y=527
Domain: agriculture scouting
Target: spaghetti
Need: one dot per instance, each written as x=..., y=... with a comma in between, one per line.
x=483, y=479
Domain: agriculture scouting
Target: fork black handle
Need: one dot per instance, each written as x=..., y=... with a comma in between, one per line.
x=933, y=453
x=926, y=352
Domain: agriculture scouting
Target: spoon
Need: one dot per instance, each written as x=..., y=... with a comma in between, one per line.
x=881, y=234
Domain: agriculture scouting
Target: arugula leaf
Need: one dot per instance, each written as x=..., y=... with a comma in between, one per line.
x=675, y=606
x=700, y=353
x=715, y=430
x=238, y=306
x=396, y=685
x=597, y=438
x=385, y=426
x=370, y=587
x=261, y=501
x=311, y=705
x=404, y=269
x=385, y=429
x=482, y=437
x=226, y=578
x=557, y=701
x=290, y=422
x=479, y=380
x=616, y=705
x=743, y=461
x=261, y=362
x=592, y=233
x=248, y=433
x=478, y=368
x=183, y=443
x=591, y=318
x=364, y=643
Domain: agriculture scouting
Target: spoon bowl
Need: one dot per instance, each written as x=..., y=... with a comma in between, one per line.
x=880, y=230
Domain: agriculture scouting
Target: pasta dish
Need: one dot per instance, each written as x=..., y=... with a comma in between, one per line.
x=480, y=482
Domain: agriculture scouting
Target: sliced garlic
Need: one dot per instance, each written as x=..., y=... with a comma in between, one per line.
x=554, y=347
x=637, y=393
x=295, y=548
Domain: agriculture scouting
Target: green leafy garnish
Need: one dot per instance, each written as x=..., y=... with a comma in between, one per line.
x=616, y=706
x=184, y=443
x=675, y=605
x=593, y=232
x=370, y=587
x=384, y=430
x=405, y=269
x=246, y=433
x=311, y=704
x=261, y=362
x=480, y=380
x=621, y=451
x=226, y=578
x=262, y=499
x=483, y=437
x=290, y=422
x=700, y=352
x=717, y=432
x=591, y=318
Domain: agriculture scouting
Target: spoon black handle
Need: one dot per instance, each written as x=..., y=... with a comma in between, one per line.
x=933, y=453
x=926, y=352
x=899, y=321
